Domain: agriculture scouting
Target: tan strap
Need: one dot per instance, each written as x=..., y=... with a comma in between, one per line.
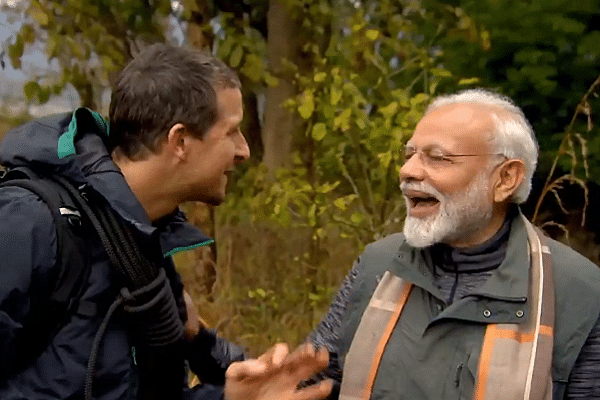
x=367, y=347
x=521, y=354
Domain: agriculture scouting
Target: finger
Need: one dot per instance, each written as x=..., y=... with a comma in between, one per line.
x=322, y=358
x=247, y=369
x=306, y=361
x=192, y=325
x=305, y=351
x=275, y=355
x=314, y=392
x=281, y=352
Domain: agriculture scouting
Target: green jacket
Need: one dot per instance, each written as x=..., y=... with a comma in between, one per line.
x=434, y=350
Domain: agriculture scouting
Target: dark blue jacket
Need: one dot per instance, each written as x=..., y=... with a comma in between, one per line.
x=28, y=254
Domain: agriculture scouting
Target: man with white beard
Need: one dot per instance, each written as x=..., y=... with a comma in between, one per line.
x=459, y=214
x=470, y=301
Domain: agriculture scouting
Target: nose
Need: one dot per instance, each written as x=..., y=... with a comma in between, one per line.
x=242, y=150
x=412, y=169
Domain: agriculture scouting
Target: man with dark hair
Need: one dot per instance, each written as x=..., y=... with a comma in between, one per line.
x=470, y=301
x=175, y=136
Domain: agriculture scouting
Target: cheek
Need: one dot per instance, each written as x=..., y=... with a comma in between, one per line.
x=450, y=183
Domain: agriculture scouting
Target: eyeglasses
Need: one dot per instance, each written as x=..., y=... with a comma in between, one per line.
x=436, y=158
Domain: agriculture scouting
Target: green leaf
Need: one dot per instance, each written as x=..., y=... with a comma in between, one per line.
x=252, y=67
x=372, y=34
x=15, y=51
x=319, y=131
x=328, y=111
x=385, y=159
x=565, y=24
x=468, y=81
x=307, y=104
x=31, y=89
x=312, y=215
x=589, y=44
x=340, y=203
x=44, y=94
x=361, y=123
x=328, y=187
x=343, y=120
x=419, y=98
x=336, y=95
x=28, y=33
x=52, y=45
x=77, y=49
x=441, y=72
x=320, y=76
x=390, y=109
x=236, y=56
x=37, y=12
x=271, y=80
x=357, y=218
x=108, y=63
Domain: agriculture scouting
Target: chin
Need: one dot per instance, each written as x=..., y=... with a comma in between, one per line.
x=213, y=200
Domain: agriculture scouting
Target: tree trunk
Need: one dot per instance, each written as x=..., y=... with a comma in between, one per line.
x=281, y=125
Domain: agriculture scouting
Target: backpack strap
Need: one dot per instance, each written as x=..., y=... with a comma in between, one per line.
x=72, y=265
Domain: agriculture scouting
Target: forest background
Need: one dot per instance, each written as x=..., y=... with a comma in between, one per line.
x=332, y=90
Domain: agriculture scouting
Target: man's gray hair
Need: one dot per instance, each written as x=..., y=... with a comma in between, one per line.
x=513, y=135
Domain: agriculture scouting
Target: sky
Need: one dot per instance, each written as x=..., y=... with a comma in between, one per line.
x=33, y=62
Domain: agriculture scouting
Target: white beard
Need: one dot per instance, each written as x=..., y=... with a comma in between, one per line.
x=459, y=215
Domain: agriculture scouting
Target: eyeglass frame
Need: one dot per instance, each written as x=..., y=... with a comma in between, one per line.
x=442, y=159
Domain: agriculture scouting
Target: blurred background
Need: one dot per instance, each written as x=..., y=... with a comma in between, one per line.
x=332, y=90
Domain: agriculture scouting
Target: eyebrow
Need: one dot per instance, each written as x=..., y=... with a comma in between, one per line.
x=430, y=147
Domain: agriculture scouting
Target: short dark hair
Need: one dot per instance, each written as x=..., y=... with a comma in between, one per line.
x=164, y=85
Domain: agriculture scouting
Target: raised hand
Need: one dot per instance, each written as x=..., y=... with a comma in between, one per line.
x=276, y=374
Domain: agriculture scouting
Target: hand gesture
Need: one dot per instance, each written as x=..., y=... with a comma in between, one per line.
x=276, y=374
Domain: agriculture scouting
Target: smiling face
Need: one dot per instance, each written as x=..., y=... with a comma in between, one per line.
x=447, y=181
x=459, y=215
x=213, y=157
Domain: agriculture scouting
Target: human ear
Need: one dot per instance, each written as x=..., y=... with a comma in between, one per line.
x=510, y=175
x=176, y=141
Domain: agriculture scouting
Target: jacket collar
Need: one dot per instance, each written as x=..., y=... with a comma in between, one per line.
x=509, y=282
x=173, y=232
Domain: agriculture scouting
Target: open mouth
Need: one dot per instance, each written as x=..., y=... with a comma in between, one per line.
x=428, y=201
x=420, y=202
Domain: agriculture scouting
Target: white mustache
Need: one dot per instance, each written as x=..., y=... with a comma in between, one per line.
x=423, y=187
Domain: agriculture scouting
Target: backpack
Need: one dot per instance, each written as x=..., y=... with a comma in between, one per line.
x=74, y=266
x=145, y=292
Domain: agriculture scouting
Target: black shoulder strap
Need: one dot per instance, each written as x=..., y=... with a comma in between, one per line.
x=71, y=261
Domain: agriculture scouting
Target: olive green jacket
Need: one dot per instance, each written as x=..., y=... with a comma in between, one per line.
x=434, y=350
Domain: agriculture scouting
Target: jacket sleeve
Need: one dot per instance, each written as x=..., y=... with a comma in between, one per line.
x=327, y=333
x=209, y=356
x=584, y=381
x=27, y=258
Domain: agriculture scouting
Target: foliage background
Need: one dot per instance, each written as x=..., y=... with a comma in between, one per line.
x=332, y=89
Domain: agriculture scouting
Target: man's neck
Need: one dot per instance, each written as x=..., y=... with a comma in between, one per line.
x=148, y=182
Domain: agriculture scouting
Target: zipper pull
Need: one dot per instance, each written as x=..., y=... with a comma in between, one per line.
x=457, y=376
x=133, y=355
